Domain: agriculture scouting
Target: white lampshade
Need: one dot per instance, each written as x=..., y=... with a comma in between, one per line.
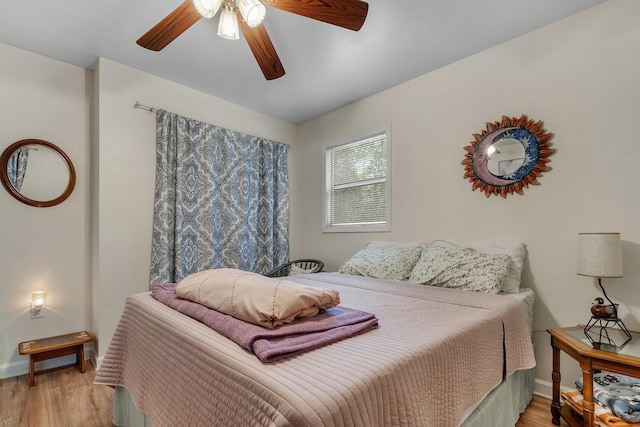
x=228, y=25
x=207, y=8
x=599, y=255
x=252, y=11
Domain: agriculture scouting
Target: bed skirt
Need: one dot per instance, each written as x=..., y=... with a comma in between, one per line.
x=505, y=403
x=502, y=406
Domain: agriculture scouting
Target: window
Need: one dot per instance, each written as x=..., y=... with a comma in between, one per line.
x=357, y=185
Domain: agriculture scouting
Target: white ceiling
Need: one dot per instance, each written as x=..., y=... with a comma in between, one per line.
x=326, y=66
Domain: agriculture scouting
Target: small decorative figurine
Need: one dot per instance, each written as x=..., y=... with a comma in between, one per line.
x=598, y=309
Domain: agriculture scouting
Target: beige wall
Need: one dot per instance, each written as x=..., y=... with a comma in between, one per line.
x=92, y=251
x=125, y=148
x=580, y=76
x=43, y=248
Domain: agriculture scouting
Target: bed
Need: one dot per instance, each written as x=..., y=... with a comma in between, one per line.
x=439, y=357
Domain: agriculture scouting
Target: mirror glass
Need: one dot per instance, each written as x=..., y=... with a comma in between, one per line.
x=37, y=173
x=505, y=157
x=508, y=156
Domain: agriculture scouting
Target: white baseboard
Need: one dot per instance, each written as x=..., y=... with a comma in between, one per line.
x=10, y=370
x=545, y=388
x=95, y=360
x=542, y=388
x=16, y=369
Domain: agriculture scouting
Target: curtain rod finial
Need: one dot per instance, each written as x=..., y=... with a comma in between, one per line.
x=144, y=107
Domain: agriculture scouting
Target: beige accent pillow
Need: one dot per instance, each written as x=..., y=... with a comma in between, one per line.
x=255, y=298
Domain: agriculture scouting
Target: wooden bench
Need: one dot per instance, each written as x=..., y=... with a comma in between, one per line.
x=52, y=347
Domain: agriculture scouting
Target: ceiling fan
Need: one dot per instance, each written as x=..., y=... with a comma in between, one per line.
x=349, y=14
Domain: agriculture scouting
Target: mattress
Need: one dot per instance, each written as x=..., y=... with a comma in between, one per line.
x=526, y=297
x=435, y=356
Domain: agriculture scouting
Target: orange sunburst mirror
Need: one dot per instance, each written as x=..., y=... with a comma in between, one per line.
x=507, y=156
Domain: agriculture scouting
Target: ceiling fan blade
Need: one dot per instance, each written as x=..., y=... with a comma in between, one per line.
x=348, y=14
x=167, y=30
x=263, y=50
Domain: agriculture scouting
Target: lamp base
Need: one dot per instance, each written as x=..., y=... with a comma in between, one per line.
x=602, y=333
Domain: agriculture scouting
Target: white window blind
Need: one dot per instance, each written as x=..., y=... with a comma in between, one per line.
x=358, y=185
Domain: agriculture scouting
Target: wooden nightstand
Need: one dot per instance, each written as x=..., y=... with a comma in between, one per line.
x=574, y=343
x=49, y=348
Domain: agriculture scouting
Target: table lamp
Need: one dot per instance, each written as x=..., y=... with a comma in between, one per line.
x=600, y=256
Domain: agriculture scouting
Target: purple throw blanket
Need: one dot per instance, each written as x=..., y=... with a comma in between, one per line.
x=269, y=345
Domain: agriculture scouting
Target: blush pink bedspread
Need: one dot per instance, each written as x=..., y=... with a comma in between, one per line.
x=271, y=344
x=435, y=355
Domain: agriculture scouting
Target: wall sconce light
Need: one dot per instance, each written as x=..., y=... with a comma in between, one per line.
x=38, y=303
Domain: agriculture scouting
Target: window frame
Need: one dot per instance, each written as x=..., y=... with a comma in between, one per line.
x=327, y=227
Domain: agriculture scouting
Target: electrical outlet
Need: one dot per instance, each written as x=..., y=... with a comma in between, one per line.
x=37, y=313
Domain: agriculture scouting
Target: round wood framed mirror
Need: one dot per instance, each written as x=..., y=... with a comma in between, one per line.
x=508, y=156
x=37, y=173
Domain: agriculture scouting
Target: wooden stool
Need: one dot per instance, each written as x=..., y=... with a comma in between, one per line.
x=52, y=347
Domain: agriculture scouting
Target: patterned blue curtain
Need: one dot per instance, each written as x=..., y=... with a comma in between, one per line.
x=17, y=167
x=221, y=200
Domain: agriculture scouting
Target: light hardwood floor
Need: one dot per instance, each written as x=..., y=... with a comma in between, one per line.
x=64, y=397
x=538, y=414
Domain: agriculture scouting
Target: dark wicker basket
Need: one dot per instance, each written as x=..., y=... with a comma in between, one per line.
x=314, y=265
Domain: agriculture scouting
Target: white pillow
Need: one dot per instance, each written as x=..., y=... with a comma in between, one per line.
x=513, y=248
x=461, y=268
x=382, y=263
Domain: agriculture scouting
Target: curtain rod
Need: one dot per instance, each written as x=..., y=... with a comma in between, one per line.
x=144, y=107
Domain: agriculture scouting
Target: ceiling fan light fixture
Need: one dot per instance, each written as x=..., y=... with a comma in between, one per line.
x=253, y=11
x=207, y=8
x=349, y=14
x=228, y=25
